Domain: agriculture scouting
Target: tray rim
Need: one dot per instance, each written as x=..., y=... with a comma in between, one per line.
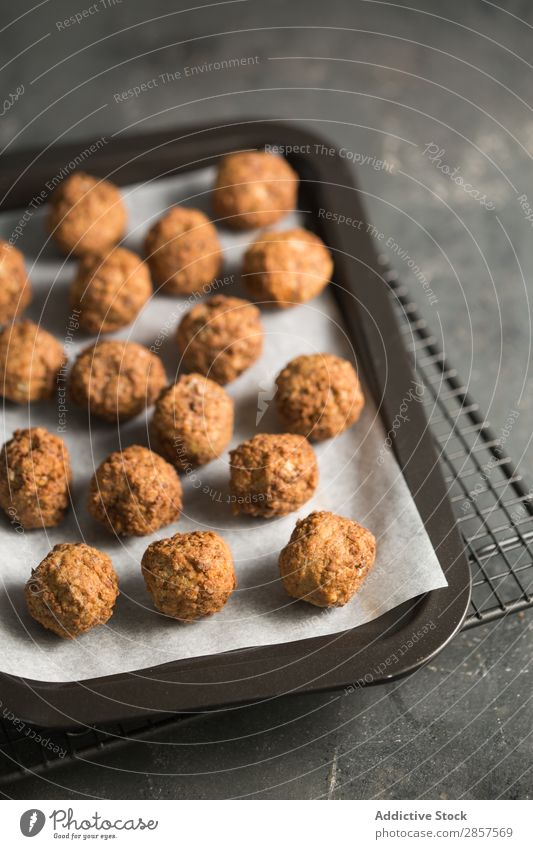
x=91, y=700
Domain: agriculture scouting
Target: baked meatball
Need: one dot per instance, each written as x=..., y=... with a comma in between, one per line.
x=30, y=361
x=272, y=474
x=254, y=189
x=116, y=380
x=192, y=422
x=134, y=492
x=15, y=289
x=35, y=475
x=87, y=215
x=327, y=559
x=110, y=291
x=319, y=396
x=183, y=251
x=288, y=268
x=220, y=338
x=189, y=575
x=72, y=590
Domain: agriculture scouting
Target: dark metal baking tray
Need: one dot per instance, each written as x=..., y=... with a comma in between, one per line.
x=372, y=653
x=498, y=543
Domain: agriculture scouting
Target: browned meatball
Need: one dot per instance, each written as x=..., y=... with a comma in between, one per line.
x=116, y=380
x=183, y=251
x=72, y=590
x=30, y=361
x=192, y=422
x=87, y=215
x=220, y=338
x=254, y=189
x=327, y=559
x=272, y=474
x=319, y=396
x=288, y=268
x=134, y=492
x=15, y=289
x=35, y=475
x=110, y=291
x=189, y=575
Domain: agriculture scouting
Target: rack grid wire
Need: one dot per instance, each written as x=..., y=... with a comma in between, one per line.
x=494, y=511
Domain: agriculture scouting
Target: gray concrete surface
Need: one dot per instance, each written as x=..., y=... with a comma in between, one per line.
x=397, y=84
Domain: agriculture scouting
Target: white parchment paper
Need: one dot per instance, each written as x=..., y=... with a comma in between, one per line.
x=352, y=483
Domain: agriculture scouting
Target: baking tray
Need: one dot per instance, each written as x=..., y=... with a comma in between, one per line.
x=498, y=540
x=371, y=653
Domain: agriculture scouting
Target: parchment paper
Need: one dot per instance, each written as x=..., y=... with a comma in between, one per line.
x=359, y=478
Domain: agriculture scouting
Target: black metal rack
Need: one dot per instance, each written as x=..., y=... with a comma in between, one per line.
x=493, y=508
x=492, y=504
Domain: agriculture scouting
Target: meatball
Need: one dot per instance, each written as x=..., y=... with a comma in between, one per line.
x=87, y=215
x=116, y=380
x=110, y=291
x=183, y=251
x=15, y=289
x=254, y=189
x=327, y=559
x=134, y=492
x=35, y=475
x=220, y=338
x=287, y=268
x=30, y=362
x=319, y=396
x=72, y=590
x=272, y=474
x=189, y=575
x=192, y=422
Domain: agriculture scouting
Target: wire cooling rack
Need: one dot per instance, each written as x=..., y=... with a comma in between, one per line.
x=494, y=511
x=492, y=504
